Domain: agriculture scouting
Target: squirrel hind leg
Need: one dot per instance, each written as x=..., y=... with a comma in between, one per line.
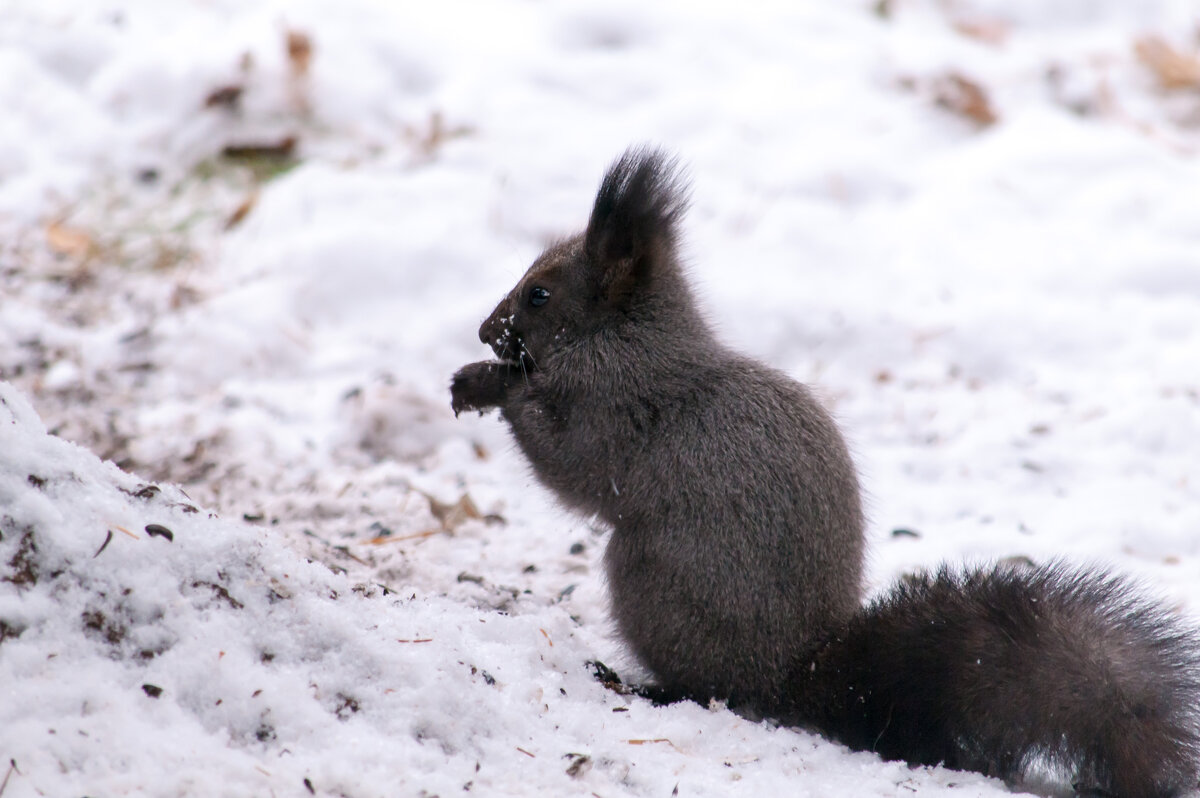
x=659, y=695
x=662, y=696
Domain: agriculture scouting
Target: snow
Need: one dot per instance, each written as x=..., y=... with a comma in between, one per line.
x=363, y=595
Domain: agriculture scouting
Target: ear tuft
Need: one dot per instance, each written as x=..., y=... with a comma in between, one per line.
x=634, y=223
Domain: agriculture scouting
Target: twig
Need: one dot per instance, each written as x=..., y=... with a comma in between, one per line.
x=103, y=546
x=428, y=533
x=655, y=740
x=12, y=766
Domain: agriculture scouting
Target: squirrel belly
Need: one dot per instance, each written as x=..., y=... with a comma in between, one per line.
x=735, y=560
x=719, y=568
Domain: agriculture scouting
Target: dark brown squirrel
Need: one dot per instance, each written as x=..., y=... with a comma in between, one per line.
x=735, y=560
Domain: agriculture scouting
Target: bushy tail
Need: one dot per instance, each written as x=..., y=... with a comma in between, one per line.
x=995, y=670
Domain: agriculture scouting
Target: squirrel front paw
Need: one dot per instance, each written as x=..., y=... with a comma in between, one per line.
x=478, y=386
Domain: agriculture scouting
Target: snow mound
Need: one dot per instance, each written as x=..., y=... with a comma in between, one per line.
x=151, y=647
x=147, y=642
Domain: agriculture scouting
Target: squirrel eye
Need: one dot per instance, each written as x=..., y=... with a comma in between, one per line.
x=538, y=296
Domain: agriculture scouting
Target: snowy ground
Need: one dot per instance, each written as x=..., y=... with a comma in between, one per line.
x=243, y=245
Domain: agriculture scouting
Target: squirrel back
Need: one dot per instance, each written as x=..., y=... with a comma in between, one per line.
x=735, y=561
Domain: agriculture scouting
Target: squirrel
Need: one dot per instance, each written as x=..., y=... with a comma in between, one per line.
x=737, y=537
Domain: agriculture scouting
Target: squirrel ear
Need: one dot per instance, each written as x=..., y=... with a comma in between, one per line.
x=633, y=227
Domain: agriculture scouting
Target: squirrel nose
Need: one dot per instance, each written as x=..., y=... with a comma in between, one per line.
x=485, y=331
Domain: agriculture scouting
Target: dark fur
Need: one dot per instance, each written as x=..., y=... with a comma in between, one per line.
x=736, y=554
x=992, y=670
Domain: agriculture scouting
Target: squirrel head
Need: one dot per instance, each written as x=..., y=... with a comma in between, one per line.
x=594, y=279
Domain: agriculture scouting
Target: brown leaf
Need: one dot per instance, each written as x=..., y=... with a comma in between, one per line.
x=228, y=97
x=274, y=149
x=299, y=52
x=1174, y=70
x=452, y=515
x=242, y=210
x=989, y=31
x=429, y=140
x=68, y=241
x=964, y=97
x=182, y=296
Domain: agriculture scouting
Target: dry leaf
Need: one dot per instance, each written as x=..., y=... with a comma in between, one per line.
x=182, y=296
x=68, y=241
x=274, y=149
x=430, y=140
x=242, y=210
x=1174, y=70
x=988, y=31
x=299, y=52
x=452, y=515
x=965, y=97
x=225, y=96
